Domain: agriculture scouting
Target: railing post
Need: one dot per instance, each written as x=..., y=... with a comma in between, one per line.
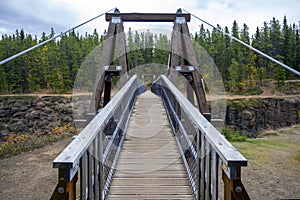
x=65, y=190
x=234, y=188
x=198, y=164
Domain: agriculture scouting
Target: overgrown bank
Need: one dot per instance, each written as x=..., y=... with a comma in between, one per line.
x=30, y=122
x=251, y=116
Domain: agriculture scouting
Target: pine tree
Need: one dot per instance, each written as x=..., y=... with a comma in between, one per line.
x=266, y=47
x=258, y=59
x=297, y=50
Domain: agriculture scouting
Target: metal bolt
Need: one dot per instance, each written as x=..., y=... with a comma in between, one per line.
x=238, y=189
x=67, y=158
x=61, y=190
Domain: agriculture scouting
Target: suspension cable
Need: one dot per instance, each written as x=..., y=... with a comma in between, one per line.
x=50, y=39
x=247, y=45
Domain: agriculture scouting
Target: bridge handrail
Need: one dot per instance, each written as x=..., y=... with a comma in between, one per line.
x=203, y=149
x=94, y=152
x=72, y=153
x=229, y=154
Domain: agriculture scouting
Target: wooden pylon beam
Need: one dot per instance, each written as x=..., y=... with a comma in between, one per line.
x=190, y=55
x=181, y=46
x=121, y=42
x=115, y=39
x=176, y=50
x=106, y=59
x=147, y=17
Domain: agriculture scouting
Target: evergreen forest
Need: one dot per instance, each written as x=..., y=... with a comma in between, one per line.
x=52, y=68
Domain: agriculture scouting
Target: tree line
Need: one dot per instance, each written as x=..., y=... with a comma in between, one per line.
x=53, y=67
x=243, y=70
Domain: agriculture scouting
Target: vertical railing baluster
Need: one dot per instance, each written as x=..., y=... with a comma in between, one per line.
x=90, y=171
x=198, y=163
x=215, y=175
x=202, y=165
x=100, y=145
x=83, y=177
x=96, y=169
x=208, y=171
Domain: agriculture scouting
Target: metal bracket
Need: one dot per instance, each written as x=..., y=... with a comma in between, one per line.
x=180, y=20
x=185, y=69
x=113, y=70
x=70, y=173
x=116, y=20
x=231, y=172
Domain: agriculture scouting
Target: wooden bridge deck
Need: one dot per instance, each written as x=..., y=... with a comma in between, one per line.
x=149, y=166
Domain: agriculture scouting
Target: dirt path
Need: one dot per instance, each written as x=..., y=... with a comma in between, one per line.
x=268, y=92
x=30, y=175
x=273, y=170
x=44, y=94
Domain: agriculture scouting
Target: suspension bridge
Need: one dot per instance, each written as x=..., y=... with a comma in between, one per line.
x=132, y=150
x=158, y=144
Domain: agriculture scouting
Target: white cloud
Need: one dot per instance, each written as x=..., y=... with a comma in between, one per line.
x=39, y=16
x=252, y=12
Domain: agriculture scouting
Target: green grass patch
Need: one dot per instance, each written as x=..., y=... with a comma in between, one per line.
x=261, y=142
x=290, y=87
x=243, y=103
x=297, y=157
x=233, y=136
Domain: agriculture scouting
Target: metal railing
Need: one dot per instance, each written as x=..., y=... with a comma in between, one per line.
x=203, y=149
x=94, y=152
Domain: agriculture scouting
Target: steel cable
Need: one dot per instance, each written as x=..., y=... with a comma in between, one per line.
x=247, y=45
x=49, y=40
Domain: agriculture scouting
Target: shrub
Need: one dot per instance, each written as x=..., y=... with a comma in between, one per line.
x=233, y=136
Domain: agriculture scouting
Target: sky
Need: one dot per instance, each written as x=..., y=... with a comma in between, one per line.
x=37, y=16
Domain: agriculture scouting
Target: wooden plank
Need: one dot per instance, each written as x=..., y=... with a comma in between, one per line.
x=150, y=181
x=149, y=166
x=184, y=190
x=156, y=174
x=139, y=197
x=149, y=161
x=147, y=17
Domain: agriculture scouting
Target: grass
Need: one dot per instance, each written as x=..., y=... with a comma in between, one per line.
x=273, y=162
x=297, y=157
x=249, y=147
x=290, y=87
x=271, y=146
x=243, y=103
x=233, y=136
x=14, y=144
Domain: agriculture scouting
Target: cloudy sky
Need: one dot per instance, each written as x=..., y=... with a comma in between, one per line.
x=37, y=16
